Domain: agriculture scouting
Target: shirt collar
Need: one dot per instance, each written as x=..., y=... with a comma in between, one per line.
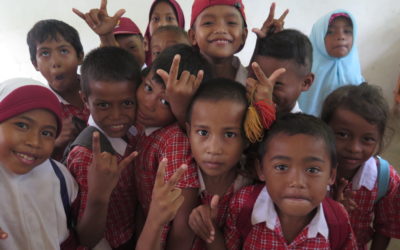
x=296, y=108
x=239, y=182
x=118, y=144
x=264, y=211
x=241, y=71
x=148, y=131
x=366, y=175
x=60, y=98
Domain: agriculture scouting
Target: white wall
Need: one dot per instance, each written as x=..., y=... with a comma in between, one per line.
x=379, y=29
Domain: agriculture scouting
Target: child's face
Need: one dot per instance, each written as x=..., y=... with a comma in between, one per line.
x=133, y=44
x=153, y=108
x=215, y=134
x=289, y=85
x=339, y=37
x=296, y=170
x=163, y=15
x=27, y=140
x=112, y=106
x=163, y=40
x=219, y=31
x=356, y=139
x=57, y=61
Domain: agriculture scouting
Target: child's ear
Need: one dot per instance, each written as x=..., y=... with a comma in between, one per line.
x=187, y=125
x=192, y=37
x=84, y=99
x=308, y=81
x=80, y=58
x=34, y=63
x=146, y=44
x=259, y=170
x=332, y=178
x=244, y=36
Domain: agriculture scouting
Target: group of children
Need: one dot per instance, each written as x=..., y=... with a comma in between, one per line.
x=170, y=142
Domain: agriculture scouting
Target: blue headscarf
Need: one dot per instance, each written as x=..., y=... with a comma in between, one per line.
x=330, y=72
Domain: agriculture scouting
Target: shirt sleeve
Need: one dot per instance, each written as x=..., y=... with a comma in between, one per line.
x=387, y=210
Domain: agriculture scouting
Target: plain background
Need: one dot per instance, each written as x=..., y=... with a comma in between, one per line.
x=378, y=41
x=378, y=22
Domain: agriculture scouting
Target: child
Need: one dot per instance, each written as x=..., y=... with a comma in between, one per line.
x=335, y=60
x=358, y=116
x=297, y=161
x=292, y=50
x=219, y=30
x=32, y=210
x=162, y=13
x=110, y=76
x=217, y=139
x=165, y=37
x=56, y=51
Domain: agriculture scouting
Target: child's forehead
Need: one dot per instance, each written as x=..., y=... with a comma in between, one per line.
x=217, y=11
x=341, y=21
x=54, y=38
x=163, y=8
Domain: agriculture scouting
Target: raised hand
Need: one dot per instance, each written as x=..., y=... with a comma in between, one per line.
x=68, y=133
x=202, y=220
x=104, y=172
x=166, y=198
x=180, y=91
x=3, y=235
x=271, y=25
x=345, y=197
x=262, y=86
x=99, y=20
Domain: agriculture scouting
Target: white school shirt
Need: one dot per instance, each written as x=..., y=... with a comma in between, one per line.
x=31, y=208
x=366, y=175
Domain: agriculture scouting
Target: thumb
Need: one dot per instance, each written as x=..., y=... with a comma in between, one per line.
x=118, y=14
x=164, y=75
x=127, y=160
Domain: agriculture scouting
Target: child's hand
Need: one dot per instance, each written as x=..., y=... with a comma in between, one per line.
x=180, y=91
x=345, y=197
x=104, y=172
x=166, y=199
x=271, y=25
x=263, y=86
x=68, y=133
x=202, y=218
x=99, y=20
x=3, y=235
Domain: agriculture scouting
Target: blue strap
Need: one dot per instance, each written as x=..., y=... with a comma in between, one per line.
x=64, y=192
x=383, y=178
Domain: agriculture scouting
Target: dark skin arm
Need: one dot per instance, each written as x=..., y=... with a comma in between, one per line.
x=379, y=242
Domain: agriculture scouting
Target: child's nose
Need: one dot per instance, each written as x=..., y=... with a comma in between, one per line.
x=55, y=61
x=297, y=178
x=33, y=139
x=220, y=27
x=214, y=145
x=354, y=146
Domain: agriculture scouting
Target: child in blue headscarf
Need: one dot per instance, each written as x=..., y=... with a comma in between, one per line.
x=335, y=58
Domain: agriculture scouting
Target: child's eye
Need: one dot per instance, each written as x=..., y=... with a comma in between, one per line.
x=342, y=134
x=232, y=23
x=202, y=132
x=164, y=102
x=329, y=32
x=103, y=105
x=348, y=31
x=48, y=133
x=207, y=23
x=147, y=88
x=369, y=140
x=313, y=170
x=156, y=53
x=155, y=19
x=278, y=84
x=64, y=51
x=128, y=103
x=281, y=167
x=44, y=53
x=21, y=125
x=170, y=18
x=230, y=134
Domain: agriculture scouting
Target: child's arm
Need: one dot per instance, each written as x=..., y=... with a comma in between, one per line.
x=68, y=133
x=103, y=176
x=345, y=197
x=3, y=235
x=179, y=92
x=165, y=202
x=101, y=23
x=379, y=241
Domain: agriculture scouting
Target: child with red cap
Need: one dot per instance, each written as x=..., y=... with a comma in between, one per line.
x=32, y=211
x=219, y=30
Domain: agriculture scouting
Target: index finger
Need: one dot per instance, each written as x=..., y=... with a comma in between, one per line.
x=258, y=72
x=177, y=175
x=96, y=144
x=283, y=16
x=78, y=13
x=160, y=173
x=271, y=13
x=103, y=5
x=274, y=76
x=173, y=71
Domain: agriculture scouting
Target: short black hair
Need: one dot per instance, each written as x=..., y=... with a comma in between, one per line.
x=218, y=89
x=364, y=100
x=191, y=60
x=298, y=123
x=178, y=31
x=51, y=29
x=118, y=36
x=109, y=64
x=288, y=44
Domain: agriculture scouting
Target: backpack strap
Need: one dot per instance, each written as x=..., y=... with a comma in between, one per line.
x=337, y=221
x=244, y=219
x=84, y=139
x=383, y=178
x=63, y=192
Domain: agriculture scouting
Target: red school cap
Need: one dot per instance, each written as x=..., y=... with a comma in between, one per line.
x=199, y=5
x=126, y=26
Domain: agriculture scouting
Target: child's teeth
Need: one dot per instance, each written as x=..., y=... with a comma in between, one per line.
x=117, y=126
x=26, y=157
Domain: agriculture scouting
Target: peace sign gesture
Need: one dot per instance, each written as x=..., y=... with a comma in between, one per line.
x=271, y=25
x=99, y=20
